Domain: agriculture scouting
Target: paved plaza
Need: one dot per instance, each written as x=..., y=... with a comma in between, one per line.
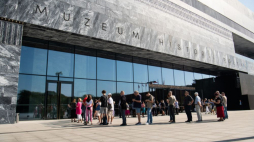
x=239, y=127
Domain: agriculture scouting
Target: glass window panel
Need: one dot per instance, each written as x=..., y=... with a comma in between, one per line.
x=126, y=87
x=60, y=62
x=205, y=76
x=106, y=69
x=83, y=87
x=179, y=78
x=198, y=76
x=85, y=66
x=30, y=99
x=167, y=76
x=33, y=60
x=141, y=88
x=109, y=86
x=155, y=74
x=189, y=78
x=140, y=73
x=124, y=71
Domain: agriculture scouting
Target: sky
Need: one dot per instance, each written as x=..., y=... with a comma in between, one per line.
x=248, y=3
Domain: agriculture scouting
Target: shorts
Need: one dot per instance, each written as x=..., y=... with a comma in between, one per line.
x=110, y=113
x=137, y=110
x=79, y=116
x=104, y=110
x=98, y=114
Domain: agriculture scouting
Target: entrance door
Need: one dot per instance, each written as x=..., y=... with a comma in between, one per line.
x=59, y=95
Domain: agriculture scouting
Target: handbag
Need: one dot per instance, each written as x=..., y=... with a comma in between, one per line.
x=109, y=106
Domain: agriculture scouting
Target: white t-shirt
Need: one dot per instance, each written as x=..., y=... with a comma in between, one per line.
x=110, y=101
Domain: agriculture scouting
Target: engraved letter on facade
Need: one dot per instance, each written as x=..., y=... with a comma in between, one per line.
x=69, y=17
x=86, y=24
x=41, y=11
x=104, y=26
x=161, y=41
x=120, y=30
x=136, y=35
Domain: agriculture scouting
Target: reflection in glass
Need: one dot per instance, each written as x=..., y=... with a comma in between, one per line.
x=33, y=60
x=189, y=78
x=109, y=86
x=141, y=88
x=65, y=99
x=198, y=76
x=126, y=87
x=85, y=66
x=179, y=78
x=30, y=99
x=60, y=62
x=140, y=73
x=155, y=74
x=167, y=76
x=83, y=87
x=106, y=69
x=124, y=71
x=205, y=76
x=52, y=100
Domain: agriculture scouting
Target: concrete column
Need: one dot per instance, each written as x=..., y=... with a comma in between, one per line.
x=10, y=49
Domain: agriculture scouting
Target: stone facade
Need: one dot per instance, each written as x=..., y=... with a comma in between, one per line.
x=10, y=49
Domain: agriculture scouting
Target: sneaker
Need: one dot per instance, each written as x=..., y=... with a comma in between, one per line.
x=123, y=125
x=138, y=123
x=147, y=123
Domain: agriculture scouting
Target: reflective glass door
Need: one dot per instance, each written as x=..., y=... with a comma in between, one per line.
x=59, y=95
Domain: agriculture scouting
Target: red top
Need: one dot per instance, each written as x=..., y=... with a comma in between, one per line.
x=84, y=99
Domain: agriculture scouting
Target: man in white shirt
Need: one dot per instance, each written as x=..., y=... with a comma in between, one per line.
x=111, y=109
x=225, y=105
x=198, y=106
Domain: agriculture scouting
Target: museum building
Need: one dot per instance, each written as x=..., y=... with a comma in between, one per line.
x=54, y=51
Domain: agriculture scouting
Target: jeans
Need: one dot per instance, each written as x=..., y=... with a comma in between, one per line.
x=225, y=113
x=172, y=113
x=149, y=116
x=120, y=112
x=198, y=110
x=188, y=112
x=123, y=116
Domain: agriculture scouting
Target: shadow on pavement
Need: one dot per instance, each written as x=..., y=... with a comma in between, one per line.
x=239, y=139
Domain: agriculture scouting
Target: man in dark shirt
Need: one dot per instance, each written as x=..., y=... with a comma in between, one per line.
x=104, y=104
x=123, y=107
x=137, y=105
x=188, y=100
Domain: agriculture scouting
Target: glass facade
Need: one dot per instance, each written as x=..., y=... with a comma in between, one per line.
x=81, y=72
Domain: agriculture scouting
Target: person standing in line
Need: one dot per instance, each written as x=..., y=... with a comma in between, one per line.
x=219, y=107
x=172, y=100
x=154, y=109
x=166, y=107
x=188, y=100
x=73, y=106
x=137, y=105
x=84, y=108
x=198, y=106
x=104, y=105
x=79, y=110
x=89, y=109
x=143, y=109
x=240, y=104
x=123, y=107
x=110, y=108
x=150, y=102
x=177, y=107
x=162, y=106
x=225, y=105
x=98, y=108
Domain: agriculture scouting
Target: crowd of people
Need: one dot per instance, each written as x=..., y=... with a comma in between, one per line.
x=105, y=112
